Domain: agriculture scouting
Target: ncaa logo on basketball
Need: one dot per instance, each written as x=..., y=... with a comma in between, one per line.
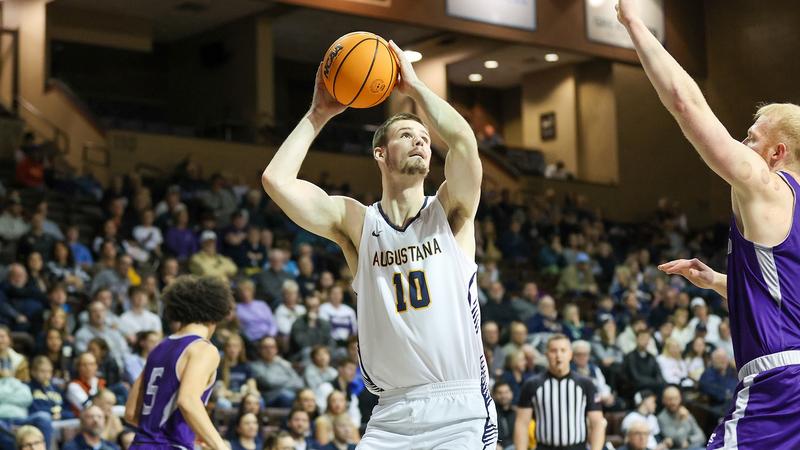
x=377, y=86
x=329, y=61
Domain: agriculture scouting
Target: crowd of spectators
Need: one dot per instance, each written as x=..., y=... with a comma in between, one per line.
x=80, y=313
x=651, y=343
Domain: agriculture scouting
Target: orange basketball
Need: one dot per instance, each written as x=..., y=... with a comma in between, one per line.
x=359, y=70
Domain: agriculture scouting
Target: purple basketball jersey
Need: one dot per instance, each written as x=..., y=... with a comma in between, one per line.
x=764, y=291
x=161, y=423
x=764, y=307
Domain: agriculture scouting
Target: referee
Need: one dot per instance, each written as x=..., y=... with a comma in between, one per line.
x=562, y=401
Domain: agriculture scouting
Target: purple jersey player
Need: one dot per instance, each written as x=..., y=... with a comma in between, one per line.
x=167, y=401
x=763, y=291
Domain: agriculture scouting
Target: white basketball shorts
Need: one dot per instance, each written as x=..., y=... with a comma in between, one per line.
x=454, y=415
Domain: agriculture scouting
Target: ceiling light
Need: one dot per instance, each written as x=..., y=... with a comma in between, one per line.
x=551, y=57
x=412, y=55
x=491, y=64
x=475, y=77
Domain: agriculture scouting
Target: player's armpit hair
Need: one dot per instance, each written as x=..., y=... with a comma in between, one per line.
x=192, y=299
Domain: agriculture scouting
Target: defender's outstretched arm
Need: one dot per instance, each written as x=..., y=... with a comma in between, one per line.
x=738, y=165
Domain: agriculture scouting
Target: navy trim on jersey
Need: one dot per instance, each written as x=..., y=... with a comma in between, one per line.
x=474, y=306
x=490, y=431
x=371, y=386
x=389, y=222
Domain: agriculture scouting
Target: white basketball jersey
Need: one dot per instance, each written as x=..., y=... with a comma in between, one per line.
x=418, y=311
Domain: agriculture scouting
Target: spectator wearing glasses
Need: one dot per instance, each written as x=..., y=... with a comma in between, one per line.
x=93, y=422
x=29, y=437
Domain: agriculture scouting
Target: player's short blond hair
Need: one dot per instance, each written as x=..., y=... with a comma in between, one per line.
x=785, y=118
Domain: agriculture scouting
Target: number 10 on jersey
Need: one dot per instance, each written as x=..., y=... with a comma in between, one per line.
x=417, y=291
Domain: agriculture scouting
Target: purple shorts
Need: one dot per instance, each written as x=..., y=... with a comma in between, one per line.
x=765, y=413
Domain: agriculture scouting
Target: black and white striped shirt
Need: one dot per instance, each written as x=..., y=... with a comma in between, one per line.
x=560, y=406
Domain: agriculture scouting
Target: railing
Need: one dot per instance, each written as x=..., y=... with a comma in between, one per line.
x=501, y=161
x=80, y=106
x=59, y=136
x=524, y=161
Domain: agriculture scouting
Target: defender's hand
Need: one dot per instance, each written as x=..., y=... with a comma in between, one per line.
x=408, y=77
x=693, y=270
x=627, y=11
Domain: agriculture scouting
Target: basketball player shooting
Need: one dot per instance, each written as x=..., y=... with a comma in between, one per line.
x=414, y=266
x=167, y=402
x=763, y=281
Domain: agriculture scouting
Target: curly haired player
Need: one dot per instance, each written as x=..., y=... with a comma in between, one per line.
x=167, y=401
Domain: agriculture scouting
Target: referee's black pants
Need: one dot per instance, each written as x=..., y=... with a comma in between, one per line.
x=562, y=447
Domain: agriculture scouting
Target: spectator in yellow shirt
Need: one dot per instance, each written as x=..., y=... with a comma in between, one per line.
x=208, y=262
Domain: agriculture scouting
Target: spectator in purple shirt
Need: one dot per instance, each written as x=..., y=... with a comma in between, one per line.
x=181, y=240
x=255, y=316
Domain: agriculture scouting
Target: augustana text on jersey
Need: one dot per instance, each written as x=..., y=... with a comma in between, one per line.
x=412, y=253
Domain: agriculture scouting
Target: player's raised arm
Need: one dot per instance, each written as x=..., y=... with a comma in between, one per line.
x=462, y=168
x=305, y=203
x=201, y=363
x=740, y=166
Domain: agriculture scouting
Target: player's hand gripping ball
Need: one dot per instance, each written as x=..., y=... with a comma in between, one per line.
x=359, y=70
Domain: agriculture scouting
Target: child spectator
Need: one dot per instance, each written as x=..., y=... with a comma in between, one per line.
x=46, y=397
